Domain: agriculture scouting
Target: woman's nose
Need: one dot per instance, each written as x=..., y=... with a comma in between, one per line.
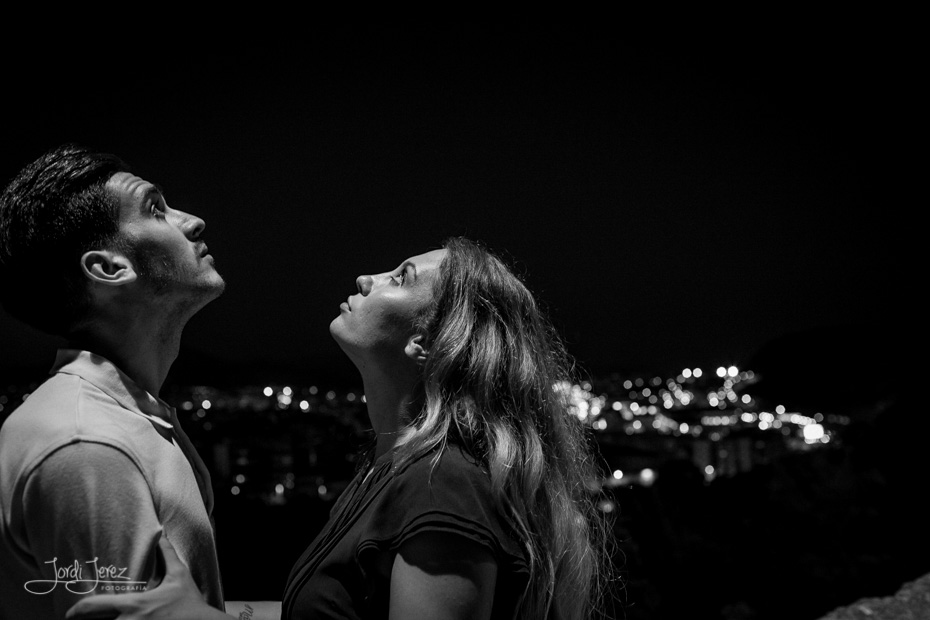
x=364, y=284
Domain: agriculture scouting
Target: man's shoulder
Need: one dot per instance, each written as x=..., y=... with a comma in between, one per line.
x=48, y=405
x=63, y=409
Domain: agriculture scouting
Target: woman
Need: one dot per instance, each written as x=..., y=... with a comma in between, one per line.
x=472, y=502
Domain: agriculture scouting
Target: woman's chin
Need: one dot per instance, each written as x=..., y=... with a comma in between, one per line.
x=352, y=352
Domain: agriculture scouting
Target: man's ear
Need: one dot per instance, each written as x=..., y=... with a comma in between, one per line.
x=108, y=267
x=415, y=349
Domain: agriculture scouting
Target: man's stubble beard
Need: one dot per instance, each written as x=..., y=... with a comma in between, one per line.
x=178, y=285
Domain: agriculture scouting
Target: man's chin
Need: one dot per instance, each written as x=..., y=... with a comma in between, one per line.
x=214, y=291
x=205, y=291
x=220, y=286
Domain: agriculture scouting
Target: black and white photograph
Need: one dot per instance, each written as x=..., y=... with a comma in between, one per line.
x=524, y=321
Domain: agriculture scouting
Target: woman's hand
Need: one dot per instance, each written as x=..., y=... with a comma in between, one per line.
x=176, y=598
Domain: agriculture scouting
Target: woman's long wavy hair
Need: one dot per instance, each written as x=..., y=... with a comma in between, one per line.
x=491, y=383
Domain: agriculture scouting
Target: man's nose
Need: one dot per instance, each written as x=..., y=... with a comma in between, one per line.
x=191, y=225
x=364, y=284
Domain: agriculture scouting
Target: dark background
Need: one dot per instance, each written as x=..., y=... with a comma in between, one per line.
x=676, y=201
x=703, y=197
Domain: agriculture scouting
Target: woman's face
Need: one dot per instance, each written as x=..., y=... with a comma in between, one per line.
x=377, y=321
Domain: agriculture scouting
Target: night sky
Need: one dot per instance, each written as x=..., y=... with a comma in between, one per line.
x=676, y=203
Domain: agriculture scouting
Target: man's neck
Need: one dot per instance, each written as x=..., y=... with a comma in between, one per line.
x=142, y=351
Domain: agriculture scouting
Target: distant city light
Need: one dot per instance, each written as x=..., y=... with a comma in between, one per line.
x=647, y=476
x=813, y=432
x=716, y=411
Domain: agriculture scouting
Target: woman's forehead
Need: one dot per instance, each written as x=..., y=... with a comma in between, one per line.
x=422, y=264
x=428, y=260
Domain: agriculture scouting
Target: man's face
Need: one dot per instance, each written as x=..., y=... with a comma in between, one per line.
x=164, y=244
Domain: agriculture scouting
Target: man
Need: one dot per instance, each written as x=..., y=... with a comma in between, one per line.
x=94, y=467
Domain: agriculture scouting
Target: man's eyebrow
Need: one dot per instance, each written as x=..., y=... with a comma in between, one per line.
x=154, y=188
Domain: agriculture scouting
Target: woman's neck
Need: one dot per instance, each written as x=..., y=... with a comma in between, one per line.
x=389, y=401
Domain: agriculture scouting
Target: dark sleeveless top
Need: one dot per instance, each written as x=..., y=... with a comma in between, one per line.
x=338, y=576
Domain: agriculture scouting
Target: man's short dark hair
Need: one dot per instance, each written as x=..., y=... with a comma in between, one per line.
x=56, y=209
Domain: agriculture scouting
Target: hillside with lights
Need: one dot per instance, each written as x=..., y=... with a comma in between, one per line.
x=718, y=492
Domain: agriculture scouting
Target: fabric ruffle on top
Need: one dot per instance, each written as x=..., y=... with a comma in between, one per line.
x=338, y=575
